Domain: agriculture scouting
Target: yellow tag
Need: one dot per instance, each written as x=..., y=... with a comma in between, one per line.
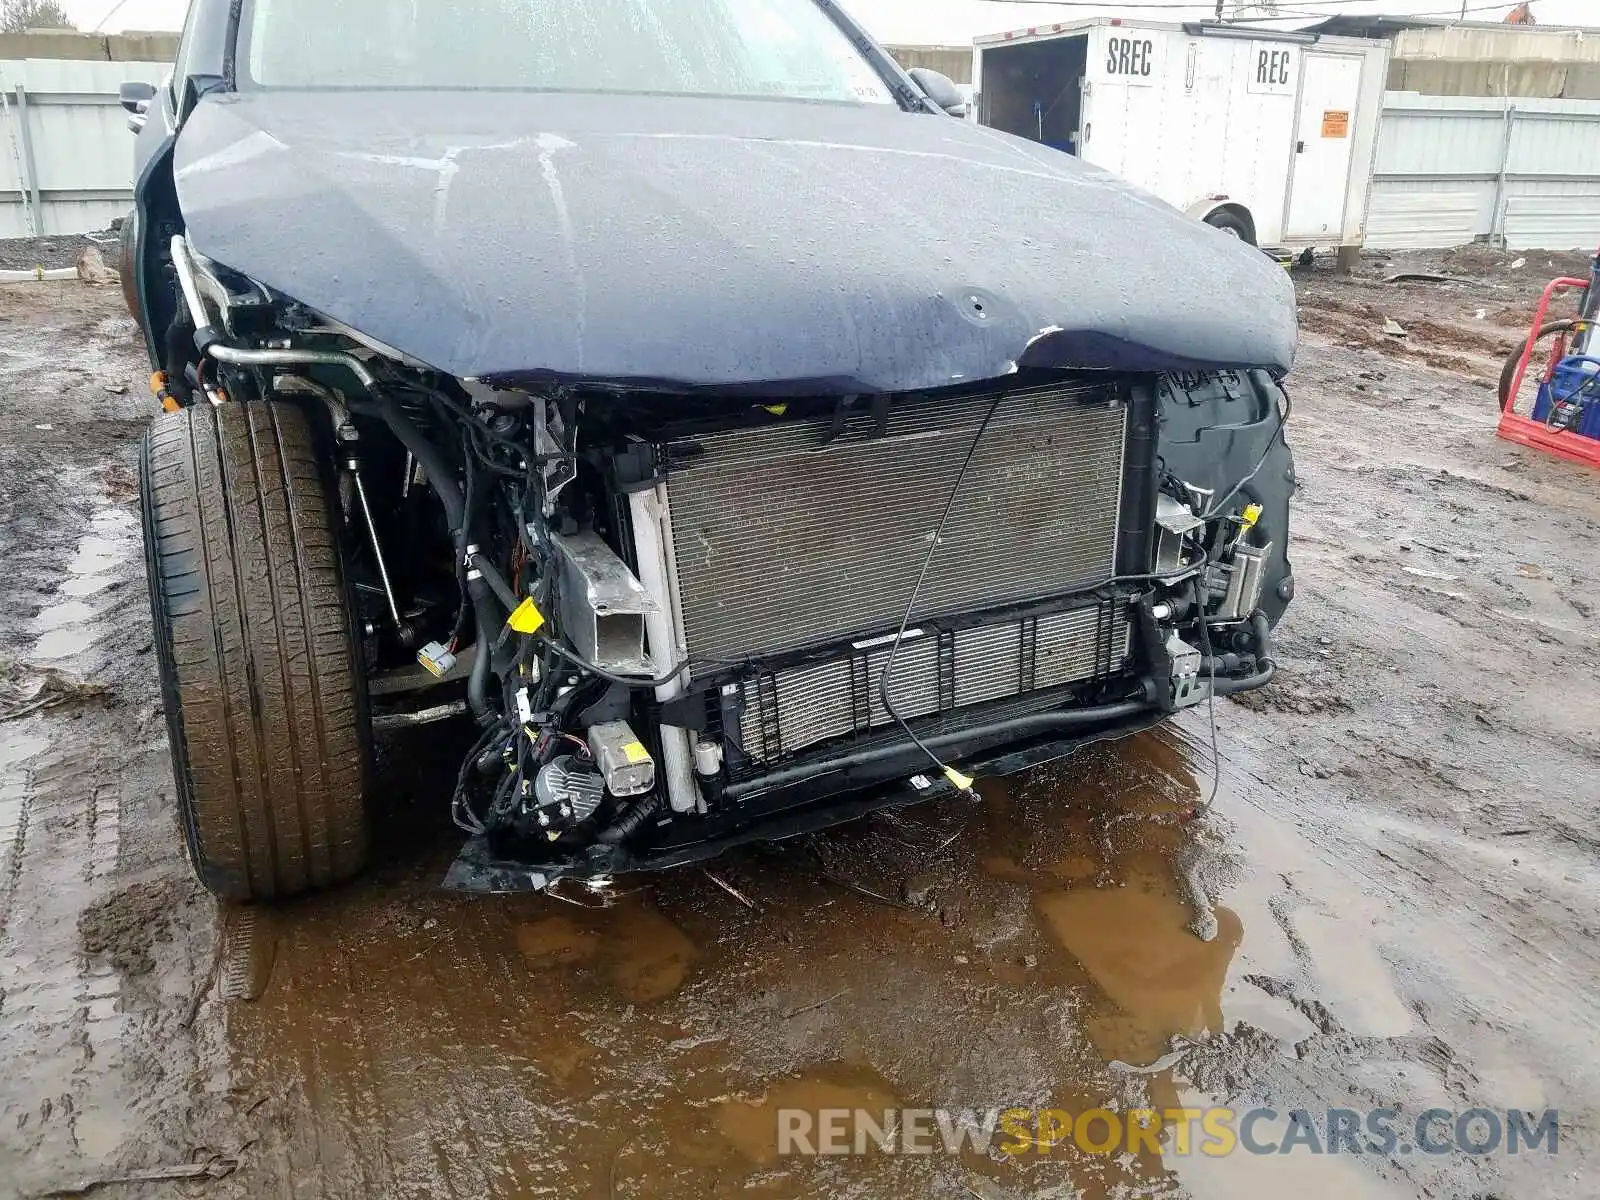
x=1251, y=516
x=776, y=410
x=527, y=619
x=635, y=753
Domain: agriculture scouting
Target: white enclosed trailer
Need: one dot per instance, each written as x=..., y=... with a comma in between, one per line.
x=1269, y=135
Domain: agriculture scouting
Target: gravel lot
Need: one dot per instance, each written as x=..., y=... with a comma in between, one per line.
x=1399, y=870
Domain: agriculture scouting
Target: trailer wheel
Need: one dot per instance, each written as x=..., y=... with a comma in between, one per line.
x=265, y=702
x=1509, y=370
x=1231, y=222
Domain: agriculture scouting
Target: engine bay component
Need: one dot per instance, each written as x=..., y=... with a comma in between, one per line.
x=651, y=513
x=940, y=668
x=1175, y=522
x=568, y=793
x=1239, y=583
x=436, y=660
x=603, y=606
x=804, y=531
x=1188, y=689
x=624, y=762
x=707, y=759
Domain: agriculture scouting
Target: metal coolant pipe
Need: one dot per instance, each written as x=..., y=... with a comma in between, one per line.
x=184, y=265
x=651, y=523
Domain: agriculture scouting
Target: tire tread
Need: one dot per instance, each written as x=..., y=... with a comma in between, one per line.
x=258, y=660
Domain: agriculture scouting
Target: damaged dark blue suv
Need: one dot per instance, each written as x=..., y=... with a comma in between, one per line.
x=682, y=396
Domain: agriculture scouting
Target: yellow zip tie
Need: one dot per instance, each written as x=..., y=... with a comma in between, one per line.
x=527, y=619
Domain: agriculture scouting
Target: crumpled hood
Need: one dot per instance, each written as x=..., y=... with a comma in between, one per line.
x=707, y=242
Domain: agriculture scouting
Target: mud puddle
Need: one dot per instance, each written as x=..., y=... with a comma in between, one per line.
x=96, y=574
x=1050, y=961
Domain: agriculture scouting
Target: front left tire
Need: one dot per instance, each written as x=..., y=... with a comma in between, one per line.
x=256, y=646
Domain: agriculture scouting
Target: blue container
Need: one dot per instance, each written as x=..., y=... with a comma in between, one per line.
x=1571, y=374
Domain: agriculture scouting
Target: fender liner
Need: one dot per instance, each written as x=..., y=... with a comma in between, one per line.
x=155, y=206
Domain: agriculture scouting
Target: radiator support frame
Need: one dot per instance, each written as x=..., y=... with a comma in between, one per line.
x=715, y=696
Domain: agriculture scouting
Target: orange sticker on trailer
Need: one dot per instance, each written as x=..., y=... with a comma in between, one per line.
x=1335, y=124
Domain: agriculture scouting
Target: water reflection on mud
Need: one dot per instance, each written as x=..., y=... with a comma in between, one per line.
x=1034, y=949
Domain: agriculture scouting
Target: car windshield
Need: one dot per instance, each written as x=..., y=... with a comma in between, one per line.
x=767, y=48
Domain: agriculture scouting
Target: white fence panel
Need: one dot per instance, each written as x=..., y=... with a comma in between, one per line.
x=1528, y=170
x=66, y=162
x=1552, y=222
x=1423, y=219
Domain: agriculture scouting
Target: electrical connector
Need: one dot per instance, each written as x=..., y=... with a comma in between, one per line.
x=962, y=783
x=163, y=394
x=436, y=660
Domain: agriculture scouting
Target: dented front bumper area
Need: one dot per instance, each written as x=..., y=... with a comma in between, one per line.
x=1162, y=502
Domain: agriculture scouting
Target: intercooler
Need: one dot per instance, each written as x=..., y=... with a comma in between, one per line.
x=797, y=544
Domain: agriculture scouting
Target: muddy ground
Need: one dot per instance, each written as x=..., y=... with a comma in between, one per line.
x=1399, y=870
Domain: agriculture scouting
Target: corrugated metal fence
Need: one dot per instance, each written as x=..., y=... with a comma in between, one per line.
x=67, y=156
x=1520, y=172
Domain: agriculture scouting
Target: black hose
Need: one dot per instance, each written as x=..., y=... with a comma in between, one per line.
x=442, y=478
x=1262, y=628
x=1223, y=664
x=625, y=826
x=496, y=581
x=1266, y=668
x=440, y=475
x=484, y=609
x=1246, y=683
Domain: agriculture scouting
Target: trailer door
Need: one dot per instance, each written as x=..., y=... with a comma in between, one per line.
x=1324, y=136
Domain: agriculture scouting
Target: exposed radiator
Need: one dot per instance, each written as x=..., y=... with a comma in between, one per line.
x=798, y=543
x=783, y=712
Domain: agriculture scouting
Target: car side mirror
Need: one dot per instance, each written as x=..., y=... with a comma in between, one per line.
x=136, y=95
x=940, y=89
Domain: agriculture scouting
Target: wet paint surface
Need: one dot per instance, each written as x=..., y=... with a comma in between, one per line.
x=798, y=248
x=1396, y=884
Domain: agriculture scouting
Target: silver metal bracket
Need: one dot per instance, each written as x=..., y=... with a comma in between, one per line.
x=603, y=606
x=1188, y=687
